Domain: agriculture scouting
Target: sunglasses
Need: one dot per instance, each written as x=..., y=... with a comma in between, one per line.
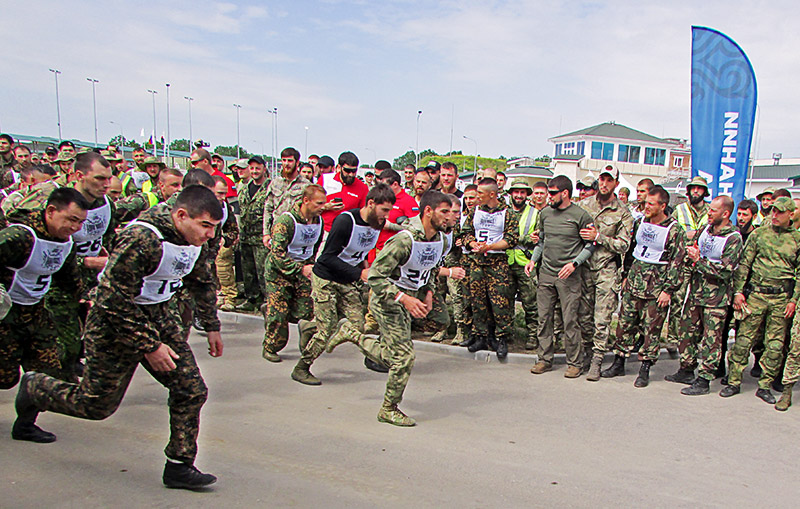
x=349, y=170
x=553, y=193
x=194, y=162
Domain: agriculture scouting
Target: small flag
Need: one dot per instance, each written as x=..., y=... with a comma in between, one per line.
x=142, y=134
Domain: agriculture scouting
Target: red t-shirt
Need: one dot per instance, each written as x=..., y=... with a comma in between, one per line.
x=353, y=196
x=404, y=205
x=231, y=186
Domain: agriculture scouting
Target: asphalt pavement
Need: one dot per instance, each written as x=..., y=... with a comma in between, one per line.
x=489, y=434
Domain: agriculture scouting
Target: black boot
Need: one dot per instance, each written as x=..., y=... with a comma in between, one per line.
x=375, y=366
x=181, y=475
x=766, y=396
x=777, y=385
x=492, y=342
x=502, y=349
x=471, y=339
x=682, y=376
x=756, y=370
x=25, y=427
x=479, y=344
x=616, y=369
x=698, y=387
x=643, y=380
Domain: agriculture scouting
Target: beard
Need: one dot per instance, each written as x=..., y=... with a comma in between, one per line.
x=518, y=203
x=695, y=200
x=604, y=197
x=439, y=226
x=555, y=204
x=374, y=222
x=348, y=179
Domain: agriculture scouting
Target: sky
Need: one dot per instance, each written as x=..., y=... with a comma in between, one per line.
x=352, y=75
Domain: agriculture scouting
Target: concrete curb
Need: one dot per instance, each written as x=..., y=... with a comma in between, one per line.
x=452, y=350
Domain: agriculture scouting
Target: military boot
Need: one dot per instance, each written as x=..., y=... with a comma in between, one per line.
x=307, y=330
x=766, y=396
x=730, y=390
x=785, y=402
x=479, y=344
x=24, y=427
x=532, y=343
x=345, y=333
x=469, y=340
x=699, y=387
x=594, y=368
x=301, y=374
x=616, y=369
x=438, y=337
x=181, y=475
x=391, y=414
x=502, y=349
x=682, y=376
x=643, y=380
x=377, y=367
x=459, y=337
x=270, y=355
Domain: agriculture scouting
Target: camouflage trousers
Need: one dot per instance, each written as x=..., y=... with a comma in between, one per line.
x=491, y=297
x=67, y=314
x=791, y=370
x=27, y=339
x=110, y=364
x=640, y=315
x=253, y=259
x=457, y=289
x=331, y=301
x=394, y=347
x=226, y=274
x=288, y=300
x=567, y=292
x=524, y=287
x=766, y=310
x=181, y=310
x=676, y=305
x=702, y=331
x=598, y=303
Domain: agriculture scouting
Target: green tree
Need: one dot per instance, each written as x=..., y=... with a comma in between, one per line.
x=410, y=158
x=231, y=151
x=181, y=144
x=128, y=143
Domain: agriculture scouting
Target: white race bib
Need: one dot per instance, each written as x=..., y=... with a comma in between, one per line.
x=32, y=281
x=489, y=227
x=89, y=240
x=651, y=240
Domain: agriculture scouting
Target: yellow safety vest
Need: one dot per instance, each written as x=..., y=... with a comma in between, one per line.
x=147, y=187
x=687, y=221
x=528, y=222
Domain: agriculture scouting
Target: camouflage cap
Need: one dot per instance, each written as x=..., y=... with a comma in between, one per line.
x=784, y=204
x=697, y=182
x=154, y=160
x=239, y=163
x=587, y=182
x=63, y=157
x=84, y=150
x=109, y=156
x=770, y=190
x=520, y=183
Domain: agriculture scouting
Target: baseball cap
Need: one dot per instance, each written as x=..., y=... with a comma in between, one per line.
x=257, y=159
x=326, y=161
x=611, y=171
x=784, y=204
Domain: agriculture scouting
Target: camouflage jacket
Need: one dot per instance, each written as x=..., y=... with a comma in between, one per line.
x=510, y=231
x=129, y=207
x=771, y=258
x=386, y=266
x=7, y=166
x=137, y=254
x=614, y=224
x=278, y=262
x=648, y=280
x=38, y=194
x=16, y=244
x=282, y=195
x=711, y=281
x=251, y=209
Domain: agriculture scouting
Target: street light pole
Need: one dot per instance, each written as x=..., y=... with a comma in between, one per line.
x=419, y=114
x=121, y=138
x=475, y=162
x=56, y=72
x=166, y=145
x=94, y=107
x=305, y=150
x=190, y=99
x=238, y=107
x=155, y=139
x=273, y=166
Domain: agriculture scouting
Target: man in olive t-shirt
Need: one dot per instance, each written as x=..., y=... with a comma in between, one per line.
x=562, y=252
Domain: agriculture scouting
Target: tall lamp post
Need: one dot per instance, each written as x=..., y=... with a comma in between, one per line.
x=419, y=114
x=305, y=149
x=474, y=162
x=94, y=107
x=238, y=107
x=155, y=140
x=56, y=72
x=190, y=99
x=166, y=145
x=121, y=138
x=274, y=141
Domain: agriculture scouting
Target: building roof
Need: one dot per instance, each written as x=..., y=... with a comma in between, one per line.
x=775, y=172
x=612, y=130
x=529, y=171
x=569, y=157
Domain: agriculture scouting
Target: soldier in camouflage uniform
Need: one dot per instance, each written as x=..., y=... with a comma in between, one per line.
x=7, y=161
x=34, y=251
x=130, y=324
x=770, y=262
x=402, y=289
x=652, y=274
x=712, y=258
x=489, y=230
x=296, y=236
x=611, y=233
x=340, y=272
x=523, y=284
x=252, y=196
x=284, y=192
x=224, y=262
x=129, y=208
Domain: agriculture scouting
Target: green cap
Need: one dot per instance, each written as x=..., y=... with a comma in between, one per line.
x=770, y=190
x=63, y=157
x=110, y=156
x=784, y=204
x=154, y=160
x=520, y=183
x=697, y=182
x=239, y=163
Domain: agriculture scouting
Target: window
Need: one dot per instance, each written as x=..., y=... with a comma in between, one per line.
x=628, y=154
x=655, y=156
x=569, y=148
x=677, y=161
x=603, y=151
x=558, y=149
x=581, y=149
